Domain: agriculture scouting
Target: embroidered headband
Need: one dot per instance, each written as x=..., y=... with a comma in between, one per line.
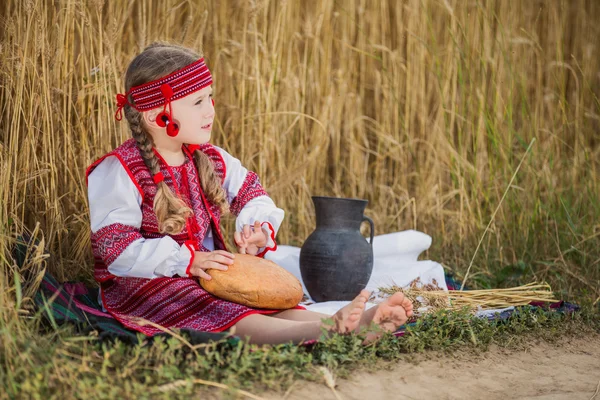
x=162, y=91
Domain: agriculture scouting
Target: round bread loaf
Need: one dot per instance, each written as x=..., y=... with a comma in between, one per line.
x=255, y=282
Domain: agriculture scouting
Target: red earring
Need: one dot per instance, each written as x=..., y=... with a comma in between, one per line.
x=165, y=119
x=213, y=101
x=172, y=129
x=162, y=119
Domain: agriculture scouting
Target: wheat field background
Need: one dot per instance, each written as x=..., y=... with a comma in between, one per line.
x=476, y=122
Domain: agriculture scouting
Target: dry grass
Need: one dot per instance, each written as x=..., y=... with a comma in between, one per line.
x=434, y=299
x=423, y=107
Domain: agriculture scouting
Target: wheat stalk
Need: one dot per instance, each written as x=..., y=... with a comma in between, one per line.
x=475, y=299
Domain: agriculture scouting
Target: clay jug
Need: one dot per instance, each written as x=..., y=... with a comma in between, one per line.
x=336, y=261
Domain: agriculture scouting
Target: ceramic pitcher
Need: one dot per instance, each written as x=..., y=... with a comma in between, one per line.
x=336, y=261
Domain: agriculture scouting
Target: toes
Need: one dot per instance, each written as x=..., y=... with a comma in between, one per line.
x=363, y=296
x=356, y=311
x=353, y=317
x=360, y=300
x=408, y=306
x=397, y=298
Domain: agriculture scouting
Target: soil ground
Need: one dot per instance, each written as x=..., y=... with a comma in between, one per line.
x=566, y=369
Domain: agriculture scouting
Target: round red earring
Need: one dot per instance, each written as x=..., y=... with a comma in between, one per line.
x=162, y=119
x=172, y=129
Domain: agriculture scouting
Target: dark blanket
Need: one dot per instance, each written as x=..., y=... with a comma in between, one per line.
x=77, y=304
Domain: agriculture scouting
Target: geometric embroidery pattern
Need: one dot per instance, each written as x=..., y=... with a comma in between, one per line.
x=109, y=242
x=172, y=302
x=251, y=189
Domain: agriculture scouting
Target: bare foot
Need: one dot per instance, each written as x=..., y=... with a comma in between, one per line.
x=347, y=319
x=392, y=313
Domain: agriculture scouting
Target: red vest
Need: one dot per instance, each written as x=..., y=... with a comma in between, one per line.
x=183, y=180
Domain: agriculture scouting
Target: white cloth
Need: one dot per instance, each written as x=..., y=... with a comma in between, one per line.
x=114, y=198
x=394, y=263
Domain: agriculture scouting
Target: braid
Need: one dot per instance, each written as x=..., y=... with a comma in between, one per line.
x=170, y=210
x=210, y=182
x=144, y=141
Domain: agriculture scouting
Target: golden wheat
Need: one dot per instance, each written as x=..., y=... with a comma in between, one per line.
x=423, y=107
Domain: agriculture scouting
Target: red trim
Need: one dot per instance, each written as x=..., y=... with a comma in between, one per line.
x=262, y=253
x=190, y=247
x=206, y=205
x=89, y=170
x=102, y=280
x=194, y=224
x=187, y=221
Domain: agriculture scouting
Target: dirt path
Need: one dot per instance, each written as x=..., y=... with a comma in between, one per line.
x=569, y=369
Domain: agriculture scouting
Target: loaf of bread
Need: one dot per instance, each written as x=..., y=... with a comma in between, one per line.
x=255, y=282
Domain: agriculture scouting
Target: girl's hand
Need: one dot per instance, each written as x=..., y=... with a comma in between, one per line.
x=203, y=260
x=250, y=239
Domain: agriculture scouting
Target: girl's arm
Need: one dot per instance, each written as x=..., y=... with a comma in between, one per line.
x=116, y=218
x=249, y=202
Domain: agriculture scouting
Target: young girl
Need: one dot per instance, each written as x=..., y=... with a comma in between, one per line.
x=155, y=206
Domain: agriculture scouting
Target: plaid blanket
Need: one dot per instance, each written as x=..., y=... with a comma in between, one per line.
x=76, y=304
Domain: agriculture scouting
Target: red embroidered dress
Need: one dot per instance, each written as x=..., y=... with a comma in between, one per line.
x=143, y=273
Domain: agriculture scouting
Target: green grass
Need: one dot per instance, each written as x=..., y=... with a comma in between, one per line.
x=61, y=364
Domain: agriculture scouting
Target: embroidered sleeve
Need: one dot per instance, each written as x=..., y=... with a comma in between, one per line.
x=249, y=201
x=249, y=190
x=116, y=217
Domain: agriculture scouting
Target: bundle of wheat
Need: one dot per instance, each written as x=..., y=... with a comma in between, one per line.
x=429, y=300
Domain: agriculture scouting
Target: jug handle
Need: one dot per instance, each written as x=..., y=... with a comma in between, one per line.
x=365, y=218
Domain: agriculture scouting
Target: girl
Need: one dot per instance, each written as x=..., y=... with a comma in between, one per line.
x=155, y=206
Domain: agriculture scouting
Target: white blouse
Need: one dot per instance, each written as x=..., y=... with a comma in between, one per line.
x=114, y=198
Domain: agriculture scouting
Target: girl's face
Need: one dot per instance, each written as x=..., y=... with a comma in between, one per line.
x=193, y=113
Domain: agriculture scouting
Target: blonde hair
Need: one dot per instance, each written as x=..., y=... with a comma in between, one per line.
x=155, y=61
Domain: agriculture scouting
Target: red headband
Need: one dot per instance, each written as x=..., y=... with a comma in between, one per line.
x=188, y=79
